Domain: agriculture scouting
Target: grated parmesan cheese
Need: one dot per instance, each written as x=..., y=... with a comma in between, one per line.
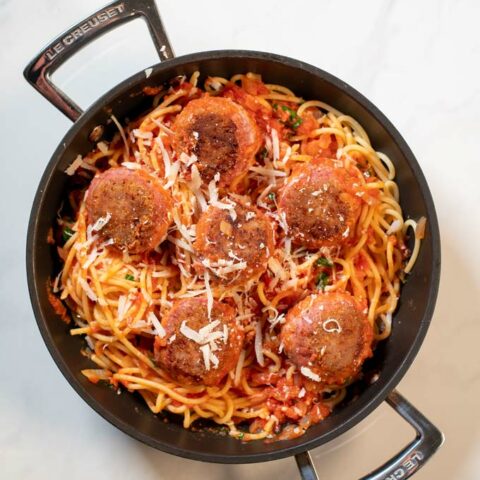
x=206, y=355
x=157, y=326
x=195, y=185
x=74, y=166
x=259, y=344
x=165, y=156
x=103, y=147
x=87, y=289
x=141, y=325
x=336, y=326
x=394, y=227
x=206, y=338
x=162, y=126
x=222, y=267
x=275, y=145
x=306, y=372
x=191, y=334
x=108, y=242
x=101, y=222
x=90, y=259
x=141, y=134
x=225, y=333
x=288, y=246
x=214, y=359
x=163, y=274
x=212, y=188
x=268, y=172
x=188, y=234
x=282, y=221
x=207, y=330
x=131, y=165
x=215, y=85
x=206, y=278
x=287, y=155
x=180, y=243
x=123, y=306
x=56, y=282
x=172, y=175
x=238, y=368
x=230, y=206
x=188, y=160
x=277, y=269
x=278, y=319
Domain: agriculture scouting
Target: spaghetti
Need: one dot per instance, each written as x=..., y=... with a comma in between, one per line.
x=119, y=299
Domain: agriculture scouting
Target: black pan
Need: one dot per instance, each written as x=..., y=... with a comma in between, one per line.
x=127, y=412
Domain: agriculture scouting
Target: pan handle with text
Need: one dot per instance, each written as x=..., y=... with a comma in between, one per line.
x=405, y=463
x=39, y=71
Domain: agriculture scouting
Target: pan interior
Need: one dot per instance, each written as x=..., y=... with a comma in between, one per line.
x=392, y=357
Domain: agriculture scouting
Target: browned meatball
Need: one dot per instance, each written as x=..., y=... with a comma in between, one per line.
x=221, y=134
x=183, y=357
x=138, y=208
x=320, y=205
x=233, y=248
x=328, y=337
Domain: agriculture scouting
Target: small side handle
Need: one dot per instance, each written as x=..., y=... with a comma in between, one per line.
x=417, y=453
x=407, y=462
x=39, y=71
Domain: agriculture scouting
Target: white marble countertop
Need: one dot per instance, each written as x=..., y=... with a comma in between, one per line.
x=419, y=62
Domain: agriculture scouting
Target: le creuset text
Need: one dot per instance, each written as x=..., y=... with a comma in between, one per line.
x=80, y=31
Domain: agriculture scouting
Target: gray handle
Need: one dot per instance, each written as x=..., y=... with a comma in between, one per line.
x=407, y=462
x=38, y=72
x=306, y=466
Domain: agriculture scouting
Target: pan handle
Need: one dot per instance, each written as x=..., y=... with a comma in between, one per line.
x=407, y=462
x=38, y=72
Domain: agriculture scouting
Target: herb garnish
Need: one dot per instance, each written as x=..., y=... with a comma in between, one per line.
x=294, y=119
x=322, y=280
x=324, y=262
x=67, y=234
x=297, y=123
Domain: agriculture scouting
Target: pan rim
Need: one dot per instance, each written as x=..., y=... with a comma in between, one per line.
x=248, y=457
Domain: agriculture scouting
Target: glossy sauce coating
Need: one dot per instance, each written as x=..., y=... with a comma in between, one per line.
x=328, y=334
x=139, y=208
x=182, y=357
x=320, y=205
x=221, y=134
x=235, y=248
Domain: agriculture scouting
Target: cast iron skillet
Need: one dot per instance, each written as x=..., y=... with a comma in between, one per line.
x=127, y=412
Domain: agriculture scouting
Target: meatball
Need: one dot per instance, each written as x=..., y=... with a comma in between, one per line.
x=221, y=134
x=320, y=205
x=328, y=337
x=233, y=245
x=137, y=207
x=210, y=352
